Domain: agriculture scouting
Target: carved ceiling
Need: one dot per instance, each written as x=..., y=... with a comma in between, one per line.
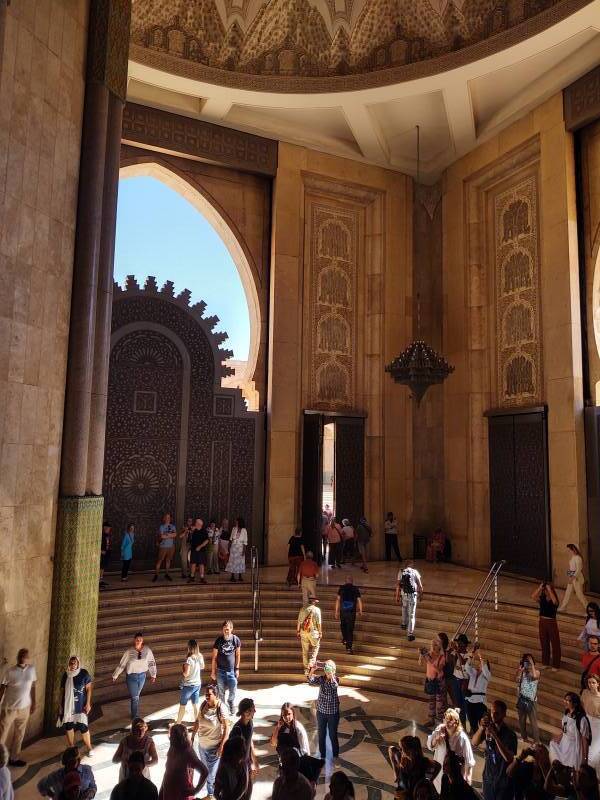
x=355, y=77
x=234, y=41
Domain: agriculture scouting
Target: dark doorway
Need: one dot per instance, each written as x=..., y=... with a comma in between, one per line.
x=519, y=492
x=592, y=459
x=333, y=474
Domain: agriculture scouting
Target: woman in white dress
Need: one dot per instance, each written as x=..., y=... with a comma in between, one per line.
x=575, y=578
x=237, y=550
x=590, y=700
x=572, y=745
x=451, y=732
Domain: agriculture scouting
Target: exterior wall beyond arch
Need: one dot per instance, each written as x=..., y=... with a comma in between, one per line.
x=237, y=204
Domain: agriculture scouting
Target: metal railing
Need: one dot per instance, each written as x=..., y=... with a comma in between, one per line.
x=256, y=607
x=487, y=593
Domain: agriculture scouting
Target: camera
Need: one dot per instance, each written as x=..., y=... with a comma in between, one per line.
x=423, y=651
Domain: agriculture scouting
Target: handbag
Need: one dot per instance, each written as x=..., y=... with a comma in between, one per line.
x=525, y=704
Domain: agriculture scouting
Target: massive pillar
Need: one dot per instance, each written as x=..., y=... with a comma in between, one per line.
x=77, y=548
x=428, y=417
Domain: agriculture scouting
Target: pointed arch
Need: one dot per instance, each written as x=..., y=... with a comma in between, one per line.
x=206, y=206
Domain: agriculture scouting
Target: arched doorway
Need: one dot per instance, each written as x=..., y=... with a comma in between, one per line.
x=180, y=436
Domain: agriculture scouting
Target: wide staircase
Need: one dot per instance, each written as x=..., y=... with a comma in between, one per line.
x=383, y=660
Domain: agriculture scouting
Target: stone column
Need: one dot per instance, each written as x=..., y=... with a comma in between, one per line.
x=77, y=547
x=78, y=400
x=95, y=464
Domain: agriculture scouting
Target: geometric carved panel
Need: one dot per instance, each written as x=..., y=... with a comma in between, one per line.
x=174, y=441
x=517, y=293
x=332, y=245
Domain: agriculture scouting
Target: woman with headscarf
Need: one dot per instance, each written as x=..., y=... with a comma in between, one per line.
x=75, y=702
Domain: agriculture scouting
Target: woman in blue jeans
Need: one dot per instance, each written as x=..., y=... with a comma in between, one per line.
x=191, y=680
x=136, y=662
x=211, y=729
x=328, y=706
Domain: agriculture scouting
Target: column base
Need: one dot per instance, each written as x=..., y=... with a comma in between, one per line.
x=74, y=593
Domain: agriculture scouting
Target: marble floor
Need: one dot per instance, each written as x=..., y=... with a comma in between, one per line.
x=369, y=723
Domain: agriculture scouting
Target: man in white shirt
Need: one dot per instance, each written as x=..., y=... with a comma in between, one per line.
x=409, y=590
x=17, y=703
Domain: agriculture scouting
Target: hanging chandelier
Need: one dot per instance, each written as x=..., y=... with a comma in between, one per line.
x=419, y=366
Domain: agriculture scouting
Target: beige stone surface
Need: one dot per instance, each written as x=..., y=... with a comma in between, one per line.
x=41, y=102
x=382, y=329
x=467, y=325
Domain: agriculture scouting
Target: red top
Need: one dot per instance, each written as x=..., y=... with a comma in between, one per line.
x=308, y=569
x=586, y=660
x=178, y=780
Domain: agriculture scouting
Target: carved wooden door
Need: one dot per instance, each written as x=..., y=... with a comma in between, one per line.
x=349, y=468
x=312, y=481
x=519, y=492
x=142, y=437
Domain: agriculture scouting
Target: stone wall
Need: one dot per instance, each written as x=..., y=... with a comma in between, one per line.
x=428, y=312
x=340, y=309
x=41, y=102
x=528, y=169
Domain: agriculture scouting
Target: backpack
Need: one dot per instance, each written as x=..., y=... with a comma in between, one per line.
x=579, y=719
x=408, y=583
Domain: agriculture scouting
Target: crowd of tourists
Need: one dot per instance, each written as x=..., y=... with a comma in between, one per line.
x=216, y=752
x=202, y=549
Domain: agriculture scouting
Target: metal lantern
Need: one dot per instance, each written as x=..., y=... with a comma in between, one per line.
x=419, y=367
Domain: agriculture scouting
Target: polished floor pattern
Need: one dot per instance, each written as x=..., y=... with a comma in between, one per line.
x=370, y=722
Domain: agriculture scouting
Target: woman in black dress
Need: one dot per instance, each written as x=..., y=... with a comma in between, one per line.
x=76, y=702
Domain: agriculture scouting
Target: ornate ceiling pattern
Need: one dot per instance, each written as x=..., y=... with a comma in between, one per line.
x=328, y=38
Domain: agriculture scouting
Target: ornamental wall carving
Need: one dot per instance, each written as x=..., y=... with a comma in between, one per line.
x=517, y=293
x=322, y=38
x=332, y=239
x=175, y=440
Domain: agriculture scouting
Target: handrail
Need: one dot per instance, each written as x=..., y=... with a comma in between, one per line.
x=472, y=614
x=256, y=606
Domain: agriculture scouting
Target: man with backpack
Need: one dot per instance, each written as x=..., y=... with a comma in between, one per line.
x=347, y=603
x=409, y=591
x=308, y=630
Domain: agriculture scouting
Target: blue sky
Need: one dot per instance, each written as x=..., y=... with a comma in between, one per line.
x=159, y=233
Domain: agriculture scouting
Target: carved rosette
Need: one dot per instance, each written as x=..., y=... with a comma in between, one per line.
x=517, y=293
